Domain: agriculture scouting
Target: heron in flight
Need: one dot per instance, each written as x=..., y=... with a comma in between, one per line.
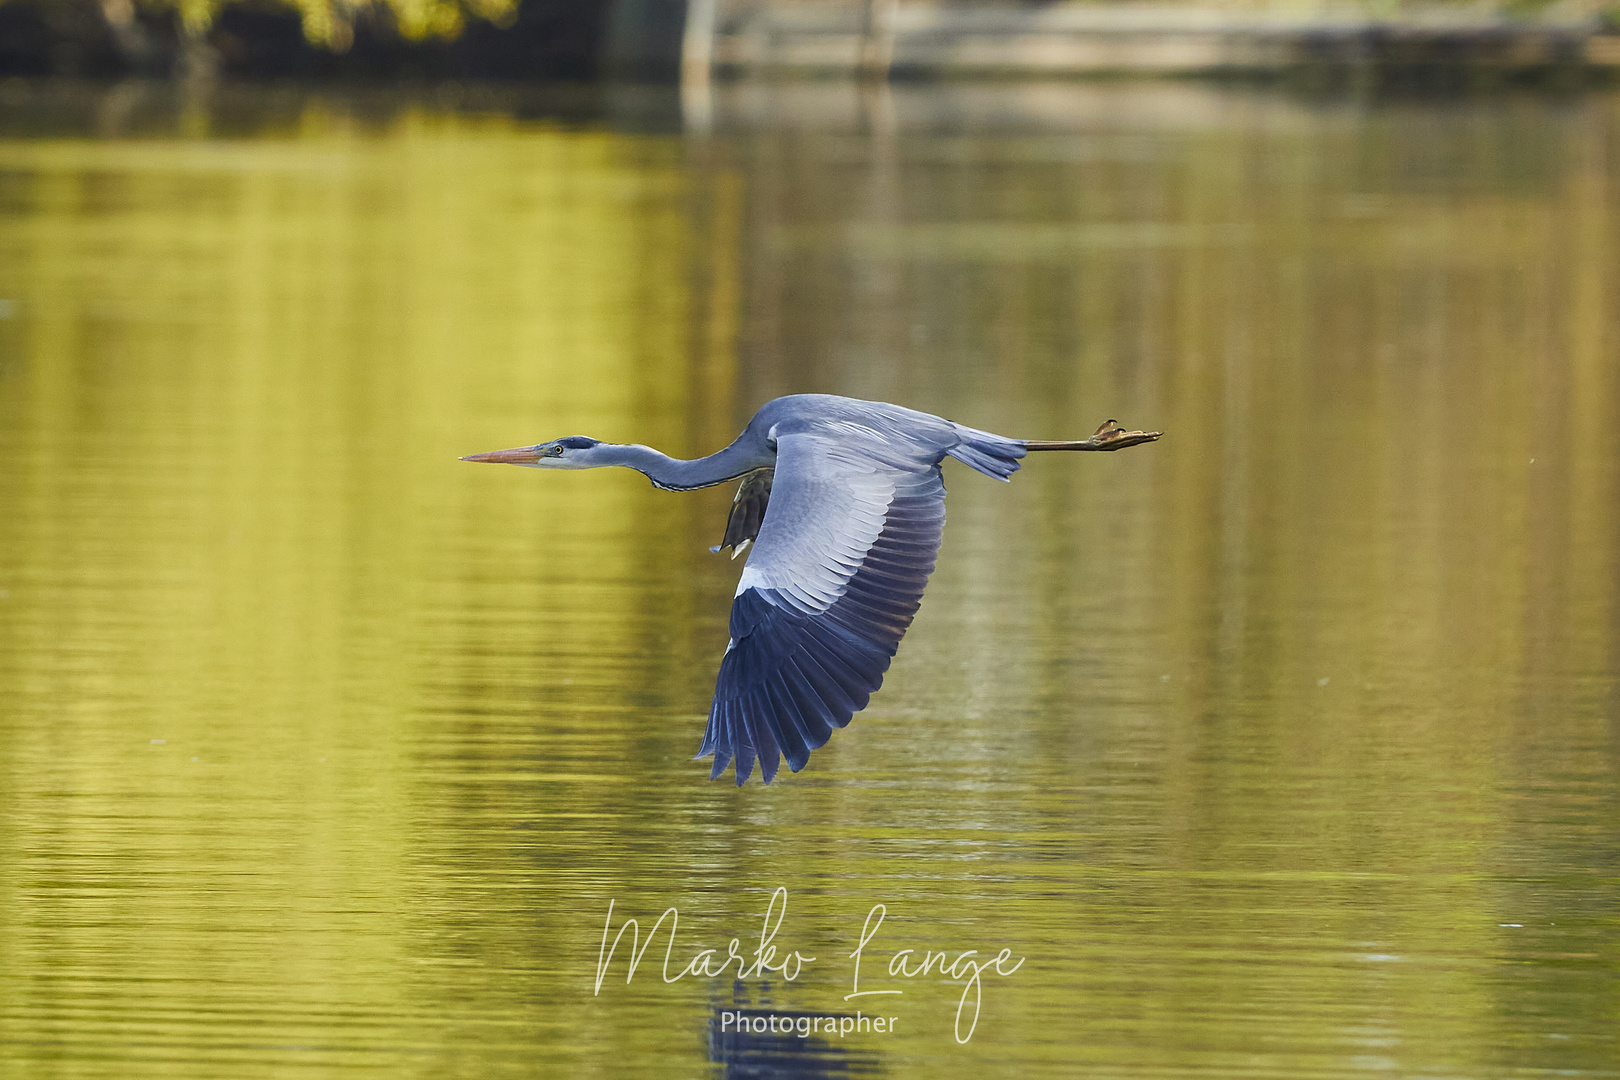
x=843, y=503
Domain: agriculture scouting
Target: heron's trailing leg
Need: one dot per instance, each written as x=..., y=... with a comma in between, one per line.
x=1110, y=436
x=747, y=512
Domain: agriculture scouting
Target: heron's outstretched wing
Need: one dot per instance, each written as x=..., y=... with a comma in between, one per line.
x=747, y=512
x=835, y=577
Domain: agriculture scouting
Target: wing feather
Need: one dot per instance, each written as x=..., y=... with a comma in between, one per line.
x=835, y=577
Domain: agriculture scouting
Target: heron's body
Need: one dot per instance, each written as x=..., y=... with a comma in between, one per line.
x=844, y=503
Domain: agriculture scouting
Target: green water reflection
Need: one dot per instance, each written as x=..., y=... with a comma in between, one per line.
x=1283, y=747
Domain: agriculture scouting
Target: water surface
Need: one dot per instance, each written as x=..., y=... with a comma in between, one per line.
x=1283, y=747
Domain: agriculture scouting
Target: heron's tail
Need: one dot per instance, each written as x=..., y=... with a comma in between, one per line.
x=993, y=455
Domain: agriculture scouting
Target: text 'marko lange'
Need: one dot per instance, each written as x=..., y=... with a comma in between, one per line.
x=710, y=963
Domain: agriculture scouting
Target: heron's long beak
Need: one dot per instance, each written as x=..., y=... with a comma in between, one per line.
x=523, y=455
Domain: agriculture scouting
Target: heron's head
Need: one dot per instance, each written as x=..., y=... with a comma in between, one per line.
x=574, y=452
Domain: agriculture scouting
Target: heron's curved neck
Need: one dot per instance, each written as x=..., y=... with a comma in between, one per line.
x=676, y=474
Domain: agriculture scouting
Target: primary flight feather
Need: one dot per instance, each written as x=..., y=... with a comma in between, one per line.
x=843, y=503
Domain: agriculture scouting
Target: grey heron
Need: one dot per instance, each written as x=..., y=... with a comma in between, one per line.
x=843, y=503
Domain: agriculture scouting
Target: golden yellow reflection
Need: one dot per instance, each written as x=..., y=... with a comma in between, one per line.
x=1282, y=746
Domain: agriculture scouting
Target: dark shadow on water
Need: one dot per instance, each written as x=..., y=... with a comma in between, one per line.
x=167, y=109
x=765, y=1044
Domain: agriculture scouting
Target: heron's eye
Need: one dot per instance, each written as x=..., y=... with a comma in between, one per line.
x=556, y=451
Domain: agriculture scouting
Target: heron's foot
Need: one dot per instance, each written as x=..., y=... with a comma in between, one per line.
x=1110, y=436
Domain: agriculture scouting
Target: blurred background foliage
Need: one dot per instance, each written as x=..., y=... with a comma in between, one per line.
x=544, y=40
x=528, y=39
x=328, y=23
